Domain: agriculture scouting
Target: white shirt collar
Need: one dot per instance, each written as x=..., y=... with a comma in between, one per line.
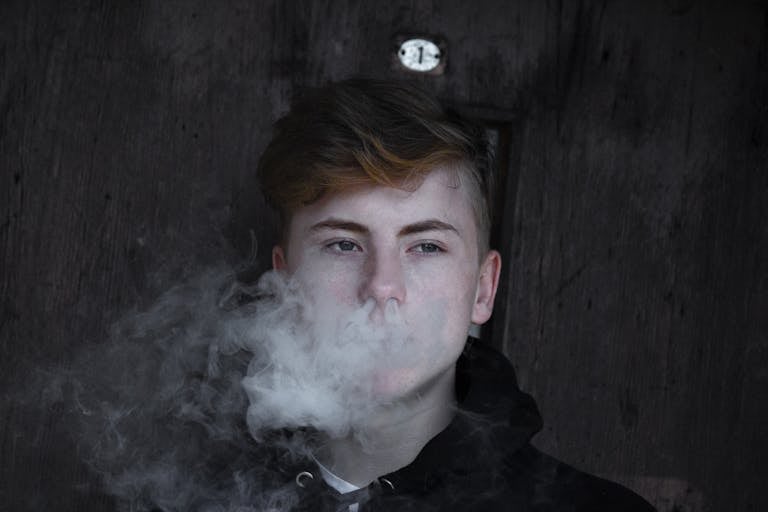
x=336, y=482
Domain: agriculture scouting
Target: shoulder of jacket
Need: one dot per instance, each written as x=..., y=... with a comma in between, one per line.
x=572, y=489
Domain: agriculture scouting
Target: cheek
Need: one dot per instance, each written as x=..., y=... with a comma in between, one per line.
x=343, y=290
x=447, y=284
x=442, y=302
x=337, y=283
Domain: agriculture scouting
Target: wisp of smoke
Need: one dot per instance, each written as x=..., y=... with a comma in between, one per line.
x=315, y=362
x=202, y=401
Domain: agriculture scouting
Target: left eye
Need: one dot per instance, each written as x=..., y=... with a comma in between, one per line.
x=428, y=248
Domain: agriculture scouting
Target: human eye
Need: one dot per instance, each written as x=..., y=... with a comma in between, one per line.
x=427, y=248
x=343, y=246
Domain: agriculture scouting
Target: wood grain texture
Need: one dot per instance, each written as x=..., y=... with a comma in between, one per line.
x=636, y=283
x=639, y=264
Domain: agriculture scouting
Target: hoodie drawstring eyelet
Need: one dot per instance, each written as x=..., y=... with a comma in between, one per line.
x=301, y=478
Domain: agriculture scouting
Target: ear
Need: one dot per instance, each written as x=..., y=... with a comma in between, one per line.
x=278, y=258
x=487, y=284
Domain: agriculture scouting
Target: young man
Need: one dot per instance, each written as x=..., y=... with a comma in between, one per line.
x=383, y=195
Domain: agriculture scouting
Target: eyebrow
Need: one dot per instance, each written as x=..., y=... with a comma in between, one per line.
x=344, y=225
x=427, y=225
x=410, y=229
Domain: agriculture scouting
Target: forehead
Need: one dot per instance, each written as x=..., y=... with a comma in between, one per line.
x=441, y=196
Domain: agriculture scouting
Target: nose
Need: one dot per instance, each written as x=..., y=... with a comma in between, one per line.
x=384, y=279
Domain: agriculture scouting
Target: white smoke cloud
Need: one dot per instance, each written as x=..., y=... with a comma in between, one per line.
x=316, y=362
x=182, y=408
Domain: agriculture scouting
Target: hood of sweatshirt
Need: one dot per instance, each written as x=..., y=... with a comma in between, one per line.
x=495, y=419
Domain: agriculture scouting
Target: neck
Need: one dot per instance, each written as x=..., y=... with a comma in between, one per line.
x=394, y=435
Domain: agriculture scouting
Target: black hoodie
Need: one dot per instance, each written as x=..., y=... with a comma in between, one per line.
x=482, y=461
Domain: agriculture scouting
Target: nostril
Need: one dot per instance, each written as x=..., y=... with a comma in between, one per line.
x=391, y=309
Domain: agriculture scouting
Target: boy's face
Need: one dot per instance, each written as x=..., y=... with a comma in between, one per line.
x=416, y=250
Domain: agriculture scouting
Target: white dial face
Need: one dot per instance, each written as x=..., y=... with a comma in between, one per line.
x=419, y=54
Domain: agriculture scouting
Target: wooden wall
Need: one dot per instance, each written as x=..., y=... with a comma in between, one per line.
x=635, y=294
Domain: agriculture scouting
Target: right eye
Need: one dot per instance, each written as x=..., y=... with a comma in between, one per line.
x=344, y=246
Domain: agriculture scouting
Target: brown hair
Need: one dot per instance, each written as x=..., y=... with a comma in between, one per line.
x=361, y=132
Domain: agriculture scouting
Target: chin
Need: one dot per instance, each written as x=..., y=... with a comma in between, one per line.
x=399, y=385
x=392, y=385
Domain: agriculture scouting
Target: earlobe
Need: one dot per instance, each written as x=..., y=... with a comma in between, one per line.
x=278, y=258
x=487, y=285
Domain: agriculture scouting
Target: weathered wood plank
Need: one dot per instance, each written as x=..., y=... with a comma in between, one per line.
x=637, y=287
